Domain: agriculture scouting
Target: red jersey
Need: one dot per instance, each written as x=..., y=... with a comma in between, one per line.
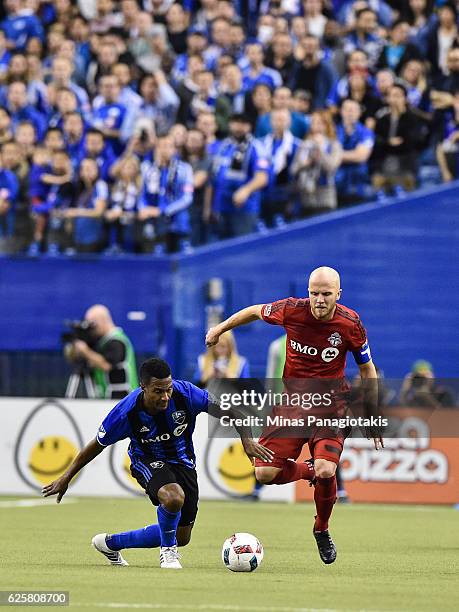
x=317, y=349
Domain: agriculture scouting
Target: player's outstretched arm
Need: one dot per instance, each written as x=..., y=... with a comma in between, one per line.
x=59, y=487
x=242, y=317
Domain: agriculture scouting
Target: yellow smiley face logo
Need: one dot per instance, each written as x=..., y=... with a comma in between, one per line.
x=50, y=457
x=236, y=469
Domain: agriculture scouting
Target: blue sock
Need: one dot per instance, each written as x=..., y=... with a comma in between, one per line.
x=168, y=522
x=148, y=537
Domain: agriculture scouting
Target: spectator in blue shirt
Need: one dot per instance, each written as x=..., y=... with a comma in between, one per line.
x=166, y=197
x=61, y=78
x=79, y=31
x=96, y=147
x=21, y=25
x=220, y=34
x=128, y=98
x=160, y=102
x=363, y=37
x=240, y=171
x=65, y=102
x=20, y=110
x=256, y=72
x=282, y=99
x=356, y=62
x=398, y=50
x=110, y=116
x=196, y=42
x=281, y=147
x=21, y=69
x=346, y=12
x=124, y=199
x=49, y=181
x=73, y=131
x=9, y=188
x=54, y=140
x=89, y=204
x=357, y=143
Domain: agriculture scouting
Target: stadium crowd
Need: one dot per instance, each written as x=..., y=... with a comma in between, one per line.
x=152, y=125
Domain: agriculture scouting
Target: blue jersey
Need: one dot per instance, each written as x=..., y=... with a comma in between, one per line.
x=28, y=113
x=171, y=190
x=351, y=177
x=38, y=190
x=165, y=436
x=267, y=76
x=110, y=116
x=21, y=27
x=105, y=159
x=88, y=230
x=234, y=165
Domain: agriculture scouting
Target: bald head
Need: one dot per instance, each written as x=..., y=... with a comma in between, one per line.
x=101, y=318
x=324, y=291
x=324, y=274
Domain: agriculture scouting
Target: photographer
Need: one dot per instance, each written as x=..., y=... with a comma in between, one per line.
x=420, y=388
x=106, y=351
x=240, y=171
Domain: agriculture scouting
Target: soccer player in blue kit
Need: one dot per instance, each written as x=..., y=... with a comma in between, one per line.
x=159, y=418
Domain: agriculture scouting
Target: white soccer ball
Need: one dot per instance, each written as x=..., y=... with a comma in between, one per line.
x=242, y=552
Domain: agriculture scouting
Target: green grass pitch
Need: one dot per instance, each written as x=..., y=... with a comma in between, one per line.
x=389, y=558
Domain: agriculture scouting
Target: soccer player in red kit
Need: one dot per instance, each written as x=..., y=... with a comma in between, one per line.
x=320, y=332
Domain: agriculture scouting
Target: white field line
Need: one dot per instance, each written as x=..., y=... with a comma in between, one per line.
x=216, y=607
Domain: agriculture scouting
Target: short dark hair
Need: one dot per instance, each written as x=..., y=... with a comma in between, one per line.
x=95, y=131
x=154, y=368
x=400, y=85
x=239, y=118
x=363, y=10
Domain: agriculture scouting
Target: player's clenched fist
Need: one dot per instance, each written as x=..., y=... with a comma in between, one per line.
x=212, y=336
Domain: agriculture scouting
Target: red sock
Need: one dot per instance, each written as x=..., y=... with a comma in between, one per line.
x=325, y=497
x=294, y=471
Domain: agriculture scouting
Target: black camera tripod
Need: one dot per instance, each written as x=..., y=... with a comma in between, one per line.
x=75, y=379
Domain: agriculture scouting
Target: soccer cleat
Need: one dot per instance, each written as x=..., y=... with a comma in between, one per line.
x=114, y=556
x=312, y=483
x=326, y=546
x=169, y=557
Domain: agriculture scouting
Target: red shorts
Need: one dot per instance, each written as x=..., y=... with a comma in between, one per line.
x=290, y=448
